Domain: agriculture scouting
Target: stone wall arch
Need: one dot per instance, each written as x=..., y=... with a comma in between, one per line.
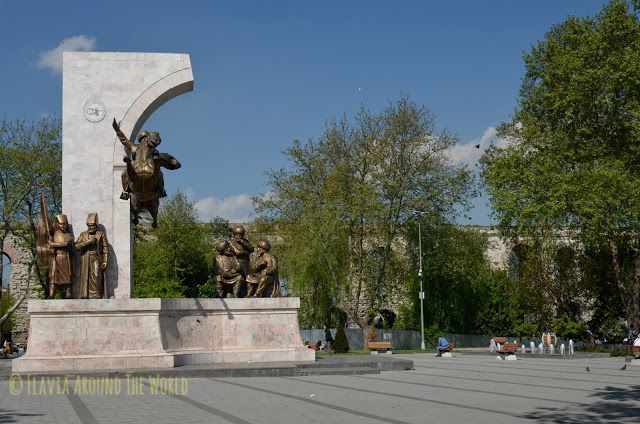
x=154, y=96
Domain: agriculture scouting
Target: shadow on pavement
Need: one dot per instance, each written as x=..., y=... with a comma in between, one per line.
x=609, y=408
x=10, y=416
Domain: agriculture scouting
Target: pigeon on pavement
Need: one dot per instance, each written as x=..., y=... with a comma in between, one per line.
x=588, y=370
x=624, y=367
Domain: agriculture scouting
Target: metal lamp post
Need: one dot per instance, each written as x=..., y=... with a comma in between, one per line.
x=421, y=294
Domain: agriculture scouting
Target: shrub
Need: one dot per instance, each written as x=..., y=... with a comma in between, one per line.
x=431, y=334
x=341, y=344
x=568, y=329
x=613, y=330
x=524, y=330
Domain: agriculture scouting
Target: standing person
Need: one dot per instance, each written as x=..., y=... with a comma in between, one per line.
x=61, y=245
x=328, y=338
x=443, y=344
x=94, y=249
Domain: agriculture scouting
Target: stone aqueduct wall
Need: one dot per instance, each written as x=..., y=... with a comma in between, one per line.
x=21, y=280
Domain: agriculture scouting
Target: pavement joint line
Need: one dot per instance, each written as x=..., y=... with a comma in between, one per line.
x=81, y=409
x=484, y=380
x=317, y=402
x=208, y=408
x=438, y=402
x=634, y=377
x=491, y=392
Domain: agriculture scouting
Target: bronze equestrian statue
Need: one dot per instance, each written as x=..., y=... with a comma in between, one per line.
x=142, y=180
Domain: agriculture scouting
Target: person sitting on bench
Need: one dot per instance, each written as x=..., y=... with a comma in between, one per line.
x=443, y=344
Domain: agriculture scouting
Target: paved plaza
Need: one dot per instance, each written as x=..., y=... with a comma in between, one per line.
x=467, y=388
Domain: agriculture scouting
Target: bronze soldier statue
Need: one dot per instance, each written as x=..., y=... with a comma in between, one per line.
x=229, y=279
x=95, y=257
x=61, y=245
x=241, y=248
x=265, y=282
x=142, y=180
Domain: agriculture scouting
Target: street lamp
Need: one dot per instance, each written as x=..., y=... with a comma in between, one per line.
x=419, y=215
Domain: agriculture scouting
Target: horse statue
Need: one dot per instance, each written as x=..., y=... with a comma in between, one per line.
x=142, y=180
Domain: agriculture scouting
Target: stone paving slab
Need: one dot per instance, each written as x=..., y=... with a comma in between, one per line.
x=466, y=388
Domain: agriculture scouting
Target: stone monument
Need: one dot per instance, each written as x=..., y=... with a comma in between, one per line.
x=96, y=88
x=118, y=332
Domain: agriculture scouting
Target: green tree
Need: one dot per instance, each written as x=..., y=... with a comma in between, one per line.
x=342, y=207
x=463, y=294
x=30, y=162
x=171, y=261
x=572, y=156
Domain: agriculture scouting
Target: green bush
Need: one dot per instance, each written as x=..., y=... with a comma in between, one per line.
x=568, y=329
x=613, y=330
x=341, y=344
x=165, y=288
x=524, y=330
x=431, y=334
x=208, y=289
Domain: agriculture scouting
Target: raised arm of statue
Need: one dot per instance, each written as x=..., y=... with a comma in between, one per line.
x=123, y=138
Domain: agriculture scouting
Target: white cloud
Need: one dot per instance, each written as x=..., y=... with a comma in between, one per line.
x=233, y=208
x=468, y=152
x=52, y=59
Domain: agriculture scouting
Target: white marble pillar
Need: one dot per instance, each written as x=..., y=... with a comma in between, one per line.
x=96, y=88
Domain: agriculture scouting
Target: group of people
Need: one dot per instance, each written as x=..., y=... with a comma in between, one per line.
x=8, y=350
x=236, y=277
x=326, y=345
x=60, y=248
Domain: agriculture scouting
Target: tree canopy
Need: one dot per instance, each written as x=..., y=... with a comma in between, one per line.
x=572, y=156
x=173, y=259
x=342, y=208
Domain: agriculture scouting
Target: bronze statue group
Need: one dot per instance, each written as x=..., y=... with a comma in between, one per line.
x=235, y=277
x=143, y=185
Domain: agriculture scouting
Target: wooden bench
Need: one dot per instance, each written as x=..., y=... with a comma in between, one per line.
x=508, y=349
x=379, y=346
x=501, y=340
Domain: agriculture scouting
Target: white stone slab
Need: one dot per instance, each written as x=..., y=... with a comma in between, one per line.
x=107, y=334
x=128, y=87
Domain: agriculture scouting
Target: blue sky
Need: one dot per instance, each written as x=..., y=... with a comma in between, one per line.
x=270, y=72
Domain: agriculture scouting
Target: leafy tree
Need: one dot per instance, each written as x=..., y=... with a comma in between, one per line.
x=30, y=162
x=572, y=158
x=342, y=207
x=6, y=302
x=171, y=261
x=219, y=229
x=463, y=294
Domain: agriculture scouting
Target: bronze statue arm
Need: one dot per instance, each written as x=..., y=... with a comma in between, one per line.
x=81, y=244
x=105, y=252
x=123, y=138
x=271, y=266
x=60, y=245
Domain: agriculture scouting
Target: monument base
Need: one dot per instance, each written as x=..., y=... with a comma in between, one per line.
x=121, y=334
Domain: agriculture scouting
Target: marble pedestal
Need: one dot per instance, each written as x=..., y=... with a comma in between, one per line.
x=118, y=334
